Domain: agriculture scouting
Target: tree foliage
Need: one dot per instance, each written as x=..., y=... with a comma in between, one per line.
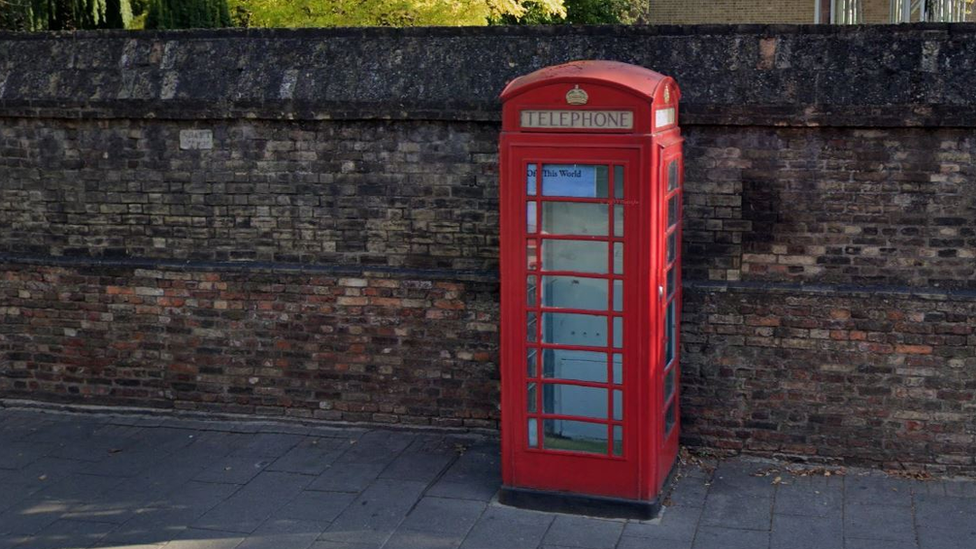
x=386, y=13
x=187, y=14
x=579, y=12
x=36, y=15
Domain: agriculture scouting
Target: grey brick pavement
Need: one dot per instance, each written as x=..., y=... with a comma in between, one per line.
x=77, y=481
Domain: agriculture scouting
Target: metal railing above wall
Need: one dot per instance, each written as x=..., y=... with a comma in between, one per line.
x=936, y=11
x=846, y=12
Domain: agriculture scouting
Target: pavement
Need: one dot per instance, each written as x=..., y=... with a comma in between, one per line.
x=125, y=481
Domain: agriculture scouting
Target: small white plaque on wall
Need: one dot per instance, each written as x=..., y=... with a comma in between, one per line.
x=196, y=139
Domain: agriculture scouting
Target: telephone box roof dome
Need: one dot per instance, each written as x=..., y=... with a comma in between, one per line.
x=638, y=80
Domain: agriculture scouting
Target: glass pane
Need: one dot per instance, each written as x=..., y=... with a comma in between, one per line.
x=672, y=244
x=670, y=282
x=673, y=210
x=574, y=255
x=530, y=291
x=530, y=324
x=669, y=419
x=574, y=329
x=618, y=220
x=618, y=295
x=618, y=405
x=618, y=440
x=531, y=361
x=530, y=218
x=575, y=218
x=533, y=428
x=575, y=180
x=618, y=332
x=618, y=257
x=532, y=259
x=578, y=365
x=618, y=368
x=618, y=181
x=575, y=436
x=530, y=177
x=574, y=400
x=669, y=334
x=574, y=292
x=673, y=175
x=531, y=399
x=668, y=384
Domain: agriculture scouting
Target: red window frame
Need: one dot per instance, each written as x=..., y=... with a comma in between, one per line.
x=534, y=241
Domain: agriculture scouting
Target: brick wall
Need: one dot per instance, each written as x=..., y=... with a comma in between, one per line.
x=693, y=12
x=830, y=205
x=857, y=376
x=376, y=347
x=334, y=254
x=408, y=194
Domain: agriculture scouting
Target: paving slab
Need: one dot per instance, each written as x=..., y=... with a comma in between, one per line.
x=474, y=475
x=960, y=488
x=876, y=489
x=45, y=472
x=881, y=522
x=412, y=539
x=945, y=522
x=446, y=516
x=193, y=538
x=738, y=478
x=284, y=534
x=376, y=447
x=506, y=527
x=148, y=530
x=68, y=534
x=585, y=532
x=267, y=445
x=31, y=515
x=645, y=543
x=125, y=463
x=854, y=543
x=737, y=511
x=78, y=487
x=688, y=492
x=310, y=506
x=347, y=477
x=712, y=537
x=674, y=524
x=806, y=499
x=329, y=544
x=423, y=461
x=246, y=509
x=194, y=495
x=374, y=515
x=18, y=454
x=233, y=470
x=311, y=456
x=807, y=532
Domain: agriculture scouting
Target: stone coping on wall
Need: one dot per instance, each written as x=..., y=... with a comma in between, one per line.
x=803, y=75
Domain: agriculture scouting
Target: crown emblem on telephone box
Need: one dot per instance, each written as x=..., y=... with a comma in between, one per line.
x=576, y=96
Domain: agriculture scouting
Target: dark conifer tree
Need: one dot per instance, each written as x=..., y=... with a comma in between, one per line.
x=57, y=15
x=187, y=14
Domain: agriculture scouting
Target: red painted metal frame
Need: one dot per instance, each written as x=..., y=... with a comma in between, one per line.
x=647, y=455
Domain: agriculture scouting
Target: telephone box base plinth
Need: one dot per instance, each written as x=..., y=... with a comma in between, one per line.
x=577, y=504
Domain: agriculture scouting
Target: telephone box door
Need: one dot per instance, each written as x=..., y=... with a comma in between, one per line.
x=669, y=294
x=576, y=278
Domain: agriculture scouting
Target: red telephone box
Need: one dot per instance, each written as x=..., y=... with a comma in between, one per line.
x=591, y=171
